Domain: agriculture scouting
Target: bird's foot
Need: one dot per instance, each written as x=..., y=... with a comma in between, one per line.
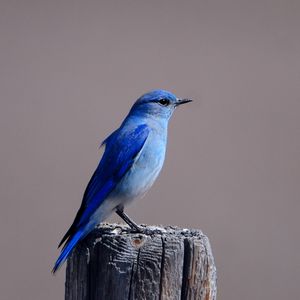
x=137, y=229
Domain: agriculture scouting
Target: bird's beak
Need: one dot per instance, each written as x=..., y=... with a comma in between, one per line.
x=182, y=101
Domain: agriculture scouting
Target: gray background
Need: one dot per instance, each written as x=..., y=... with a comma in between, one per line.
x=70, y=70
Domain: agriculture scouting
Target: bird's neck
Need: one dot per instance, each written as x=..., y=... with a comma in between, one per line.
x=148, y=119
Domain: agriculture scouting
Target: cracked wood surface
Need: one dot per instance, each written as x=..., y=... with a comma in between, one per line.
x=164, y=263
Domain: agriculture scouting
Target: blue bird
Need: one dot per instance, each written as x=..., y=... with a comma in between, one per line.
x=133, y=157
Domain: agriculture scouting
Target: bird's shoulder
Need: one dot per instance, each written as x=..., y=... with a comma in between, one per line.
x=126, y=135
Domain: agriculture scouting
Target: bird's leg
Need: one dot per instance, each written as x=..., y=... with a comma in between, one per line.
x=127, y=220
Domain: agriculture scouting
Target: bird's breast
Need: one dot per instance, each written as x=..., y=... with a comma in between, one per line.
x=145, y=169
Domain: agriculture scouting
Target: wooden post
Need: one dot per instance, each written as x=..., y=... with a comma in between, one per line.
x=165, y=263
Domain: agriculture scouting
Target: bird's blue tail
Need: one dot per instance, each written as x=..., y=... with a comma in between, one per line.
x=67, y=249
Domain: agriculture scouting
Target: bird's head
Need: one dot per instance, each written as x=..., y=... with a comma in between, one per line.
x=157, y=104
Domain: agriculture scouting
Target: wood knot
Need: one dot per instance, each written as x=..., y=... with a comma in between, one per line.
x=138, y=241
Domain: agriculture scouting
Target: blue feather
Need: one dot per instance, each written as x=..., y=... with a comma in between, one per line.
x=67, y=250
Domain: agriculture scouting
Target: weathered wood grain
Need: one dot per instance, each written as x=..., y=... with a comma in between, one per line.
x=164, y=263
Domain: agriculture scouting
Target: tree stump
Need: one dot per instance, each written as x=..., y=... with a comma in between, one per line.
x=113, y=263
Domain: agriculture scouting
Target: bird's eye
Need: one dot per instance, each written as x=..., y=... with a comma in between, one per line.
x=164, y=102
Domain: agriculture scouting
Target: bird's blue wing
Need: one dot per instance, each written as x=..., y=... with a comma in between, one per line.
x=121, y=148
